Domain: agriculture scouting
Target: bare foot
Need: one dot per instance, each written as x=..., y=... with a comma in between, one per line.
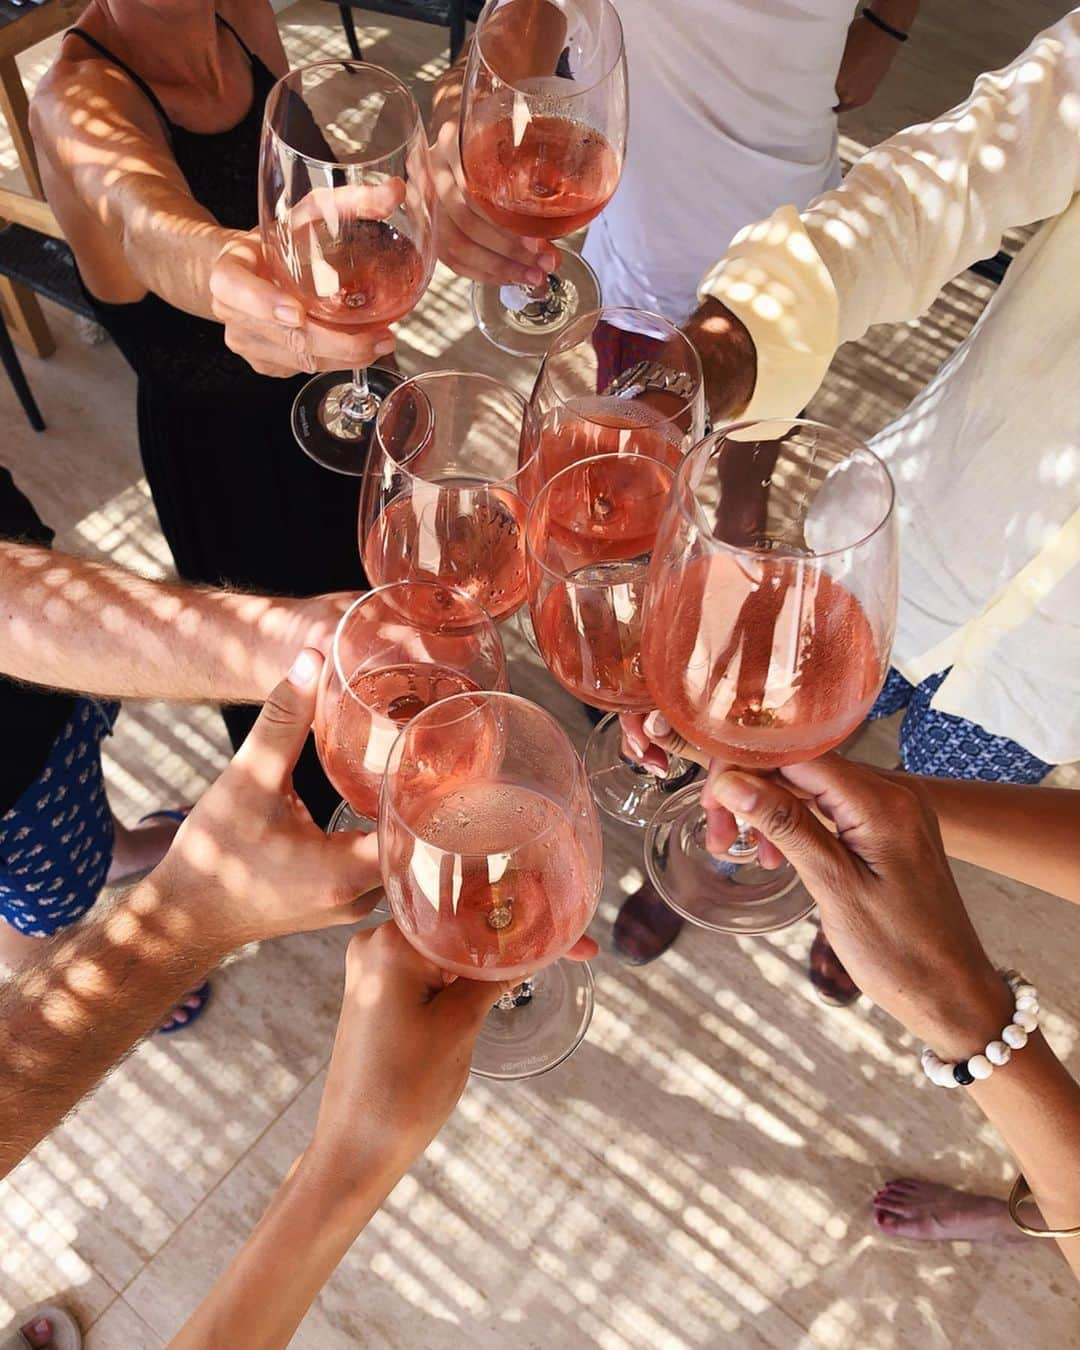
x=924, y=1210
x=137, y=851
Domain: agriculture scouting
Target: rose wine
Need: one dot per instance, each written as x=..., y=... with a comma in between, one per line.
x=607, y=426
x=355, y=730
x=546, y=179
x=369, y=273
x=608, y=509
x=589, y=633
x=487, y=879
x=458, y=532
x=761, y=660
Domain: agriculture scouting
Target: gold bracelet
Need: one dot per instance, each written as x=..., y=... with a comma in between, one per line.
x=1021, y=1195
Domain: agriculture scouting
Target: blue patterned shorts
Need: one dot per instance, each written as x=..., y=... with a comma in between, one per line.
x=56, y=842
x=943, y=746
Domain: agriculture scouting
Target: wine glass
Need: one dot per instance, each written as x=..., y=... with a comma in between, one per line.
x=619, y=380
x=346, y=203
x=769, y=615
x=626, y=381
x=492, y=862
x=542, y=137
x=446, y=489
x=589, y=537
x=395, y=651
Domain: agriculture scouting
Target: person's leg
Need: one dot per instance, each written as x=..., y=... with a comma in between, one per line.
x=56, y=844
x=136, y=851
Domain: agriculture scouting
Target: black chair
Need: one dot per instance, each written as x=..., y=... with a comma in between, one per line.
x=43, y=264
x=445, y=13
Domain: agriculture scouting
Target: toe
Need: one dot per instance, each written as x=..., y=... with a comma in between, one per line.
x=38, y=1333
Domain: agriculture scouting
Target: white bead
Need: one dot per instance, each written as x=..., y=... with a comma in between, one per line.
x=1025, y=991
x=1027, y=1020
x=980, y=1067
x=1028, y=1004
x=1015, y=1036
x=943, y=1076
x=929, y=1060
x=997, y=1052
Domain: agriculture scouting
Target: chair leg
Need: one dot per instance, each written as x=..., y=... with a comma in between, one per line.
x=457, y=28
x=350, y=29
x=11, y=364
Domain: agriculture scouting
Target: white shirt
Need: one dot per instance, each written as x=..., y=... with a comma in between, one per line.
x=730, y=116
x=986, y=459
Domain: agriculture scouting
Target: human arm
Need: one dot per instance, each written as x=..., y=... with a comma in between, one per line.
x=870, y=51
x=913, y=212
x=400, y=1061
x=248, y=863
x=527, y=36
x=1031, y=834
x=98, y=629
x=891, y=910
x=134, y=226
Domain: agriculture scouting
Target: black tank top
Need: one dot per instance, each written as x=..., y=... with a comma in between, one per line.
x=166, y=346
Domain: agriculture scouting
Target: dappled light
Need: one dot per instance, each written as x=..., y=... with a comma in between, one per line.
x=698, y=1175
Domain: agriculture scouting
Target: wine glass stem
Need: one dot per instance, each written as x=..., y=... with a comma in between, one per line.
x=516, y=997
x=359, y=404
x=746, y=844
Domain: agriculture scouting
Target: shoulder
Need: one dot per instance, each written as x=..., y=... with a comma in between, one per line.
x=256, y=23
x=82, y=97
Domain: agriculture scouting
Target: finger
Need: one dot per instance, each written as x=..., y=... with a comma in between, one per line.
x=635, y=741
x=527, y=261
x=460, y=251
x=584, y=949
x=851, y=795
x=309, y=343
x=353, y=201
x=361, y=873
x=660, y=731
x=236, y=285
x=788, y=823
x=274, y=743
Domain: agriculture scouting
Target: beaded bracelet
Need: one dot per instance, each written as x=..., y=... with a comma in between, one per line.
x=1025, y=1020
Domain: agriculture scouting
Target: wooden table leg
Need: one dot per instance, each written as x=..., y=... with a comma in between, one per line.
x=16, y=112
x=19, y=307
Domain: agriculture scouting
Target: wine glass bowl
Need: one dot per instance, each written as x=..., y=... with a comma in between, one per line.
x=445, y=495
x=491, y=856
x=769, y=617
x=396, y=650
x=346, y=209
x=542, y=136
x=619, y=381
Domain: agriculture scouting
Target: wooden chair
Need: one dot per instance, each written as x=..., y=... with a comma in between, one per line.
x=33, y=254
x=445, y=13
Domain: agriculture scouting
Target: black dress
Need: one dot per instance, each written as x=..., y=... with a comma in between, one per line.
x=239, y=502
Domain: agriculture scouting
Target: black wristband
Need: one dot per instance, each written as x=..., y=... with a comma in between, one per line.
x=885, y=27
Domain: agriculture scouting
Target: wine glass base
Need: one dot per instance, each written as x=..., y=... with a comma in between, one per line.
x=539, y=1033
x=622, y=790
x=715, y=893
x=324, y=432
x=513, y=321
x=344, y=821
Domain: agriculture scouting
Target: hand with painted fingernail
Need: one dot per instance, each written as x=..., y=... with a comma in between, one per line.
x=650, y=740
x=267, y=325
x=467, y=241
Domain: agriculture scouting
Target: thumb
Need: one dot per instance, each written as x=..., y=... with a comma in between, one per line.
x=471, y=1000
x=820, y=859
x=274, y=743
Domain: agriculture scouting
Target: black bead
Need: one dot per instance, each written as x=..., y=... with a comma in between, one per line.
x=963, y=1074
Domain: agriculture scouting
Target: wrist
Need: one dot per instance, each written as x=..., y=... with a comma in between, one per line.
x=351, y=1171
x=970, y=1011
x=178, y=898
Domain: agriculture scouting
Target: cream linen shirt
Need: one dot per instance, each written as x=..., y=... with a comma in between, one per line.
x=987, y=458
